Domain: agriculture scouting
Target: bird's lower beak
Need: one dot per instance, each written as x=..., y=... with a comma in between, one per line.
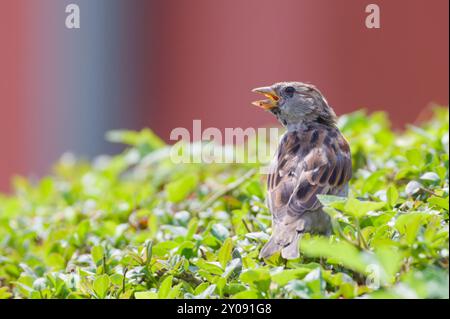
x=272, y=98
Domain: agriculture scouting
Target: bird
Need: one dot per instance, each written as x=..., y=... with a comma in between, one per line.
x=313, y=158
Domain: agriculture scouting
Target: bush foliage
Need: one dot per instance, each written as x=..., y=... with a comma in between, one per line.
x=136, y=225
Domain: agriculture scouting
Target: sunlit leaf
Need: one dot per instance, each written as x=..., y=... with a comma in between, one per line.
x=101, y=285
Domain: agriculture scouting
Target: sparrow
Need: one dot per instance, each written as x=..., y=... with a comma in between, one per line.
x=312, y=158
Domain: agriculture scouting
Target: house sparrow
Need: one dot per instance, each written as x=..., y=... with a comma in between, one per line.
x=312, y=158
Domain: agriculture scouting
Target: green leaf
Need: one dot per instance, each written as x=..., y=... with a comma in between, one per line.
x=392, y=196
x=83, y=229
x=327, y=200
x=439, y=202
x=316, y=283
x=101, y=285
x=211, y=267
x=220, y=283
x=374, y=182
x=179, y=189
x=148, y=252
x=207, y=293
x=332, y=201
x=97, y=253
x=258, y=278
x=187, y=249
x=174, y=292
x=340, y=252
x=116, y=279
x=390, y=259
x=220, y=232
x=145, y=295
x=254, y=188
x=408, y=225
x=192, y=228
x=415, y=157
x=224, y=254
x=358, y=208
x=247, y=294
x=4, y=293
x=233, y=269
x=164, y=288
x=285, y=276
x=299, y=289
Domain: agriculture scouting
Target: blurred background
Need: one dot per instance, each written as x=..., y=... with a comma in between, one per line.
x=161, y=64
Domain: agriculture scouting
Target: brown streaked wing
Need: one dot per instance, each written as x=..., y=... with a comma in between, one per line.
x=313, y=161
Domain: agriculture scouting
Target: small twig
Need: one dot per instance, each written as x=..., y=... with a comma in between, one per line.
x=341, y=233
x=426, y=190
x=246, y=225
x=227, y=189
x=361, y=238
x=203, y=253
x=124, y=280
x=189, y=278
x=105, y=269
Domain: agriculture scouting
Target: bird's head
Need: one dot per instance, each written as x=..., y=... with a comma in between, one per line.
x=294, y=103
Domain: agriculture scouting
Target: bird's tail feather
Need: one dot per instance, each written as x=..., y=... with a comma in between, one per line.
x=270, y=248
x=285, y=239
x=291, y=250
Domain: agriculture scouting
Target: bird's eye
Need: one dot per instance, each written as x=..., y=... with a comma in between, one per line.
x=289, y=91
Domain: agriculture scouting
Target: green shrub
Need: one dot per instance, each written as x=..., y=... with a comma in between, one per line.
x=138, y=226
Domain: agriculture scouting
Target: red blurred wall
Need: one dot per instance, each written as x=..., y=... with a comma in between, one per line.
x=206, y=57
x=13, y=156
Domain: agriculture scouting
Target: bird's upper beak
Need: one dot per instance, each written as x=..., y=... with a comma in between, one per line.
x=272, y=98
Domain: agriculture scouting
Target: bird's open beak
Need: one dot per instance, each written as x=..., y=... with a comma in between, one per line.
x=272, y=98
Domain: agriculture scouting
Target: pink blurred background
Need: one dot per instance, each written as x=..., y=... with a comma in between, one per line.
x=161, y=64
